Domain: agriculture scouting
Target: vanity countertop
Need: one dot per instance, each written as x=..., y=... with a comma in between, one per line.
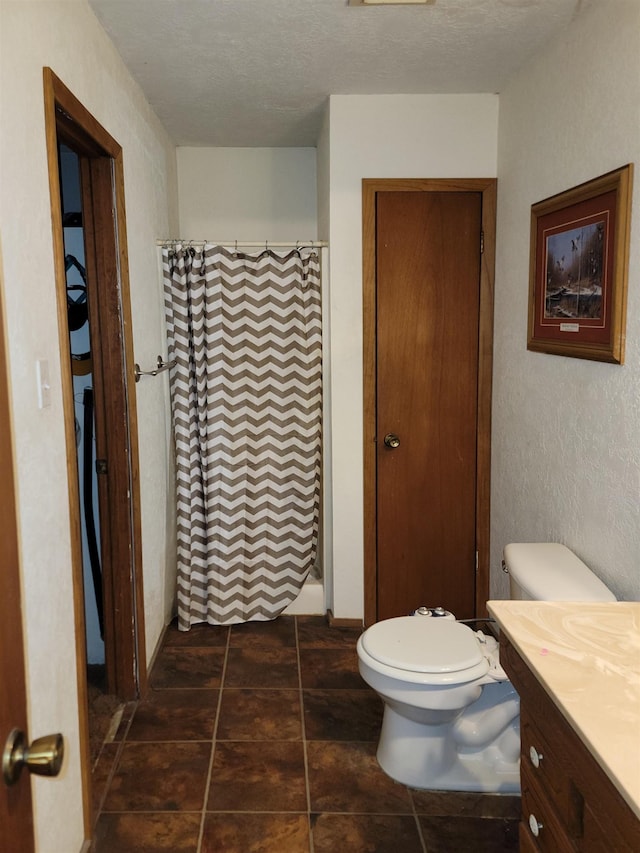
x=587, y=658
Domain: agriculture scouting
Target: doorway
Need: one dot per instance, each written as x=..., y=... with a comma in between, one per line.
x=83, y=395
x=106, y=356
x=428, y=252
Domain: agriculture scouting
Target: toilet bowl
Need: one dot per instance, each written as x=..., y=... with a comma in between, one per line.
x=437, y=731
x=451, y=717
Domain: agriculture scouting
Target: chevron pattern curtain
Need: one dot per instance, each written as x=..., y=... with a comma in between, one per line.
x=245, y=331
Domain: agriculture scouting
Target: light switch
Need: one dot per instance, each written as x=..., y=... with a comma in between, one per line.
x=44, y=388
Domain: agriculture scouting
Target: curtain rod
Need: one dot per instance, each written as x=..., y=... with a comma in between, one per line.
x=258, y=244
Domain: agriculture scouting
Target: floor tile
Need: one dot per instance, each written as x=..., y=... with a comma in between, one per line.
x=123, y=726
x=284, y=758
x=459, y=803
x=262, y=667
x=315, y=632
x=454, y=834
x=175, y=715
x=342, y=715
x=345, y=777
x=159, y=777
x=101, y=773
x=256, y=833
x=365, y=833
x=247, y=714
x=279, y=633
x=258, y=776
x=147, y=833
x=178, y=667
x=200, y=634
x=330, y=668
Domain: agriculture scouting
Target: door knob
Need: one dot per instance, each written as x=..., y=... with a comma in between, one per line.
x=43, y=757
x=391, y=440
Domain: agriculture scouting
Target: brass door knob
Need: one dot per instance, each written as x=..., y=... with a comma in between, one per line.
x=391, y=440
x=43, y=757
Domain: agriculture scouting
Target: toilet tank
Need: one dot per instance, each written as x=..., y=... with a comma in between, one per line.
x=548, y=571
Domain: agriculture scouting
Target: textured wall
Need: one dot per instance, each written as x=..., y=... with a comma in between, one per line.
x=566, y=432
x=67, y=37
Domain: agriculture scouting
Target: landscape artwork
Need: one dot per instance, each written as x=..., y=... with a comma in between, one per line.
x=578, y=269
x=575, y=269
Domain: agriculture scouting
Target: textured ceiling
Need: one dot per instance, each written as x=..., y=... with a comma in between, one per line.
x=258, y=72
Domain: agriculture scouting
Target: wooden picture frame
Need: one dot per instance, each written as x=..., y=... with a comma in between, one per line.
x=578, y=269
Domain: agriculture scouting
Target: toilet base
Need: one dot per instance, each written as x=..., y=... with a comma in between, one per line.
x=424, y=757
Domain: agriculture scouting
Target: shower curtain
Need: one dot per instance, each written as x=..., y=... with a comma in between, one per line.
x=245, y=333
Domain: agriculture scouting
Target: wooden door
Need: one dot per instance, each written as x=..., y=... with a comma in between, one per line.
x=429, y=366
x=16, y=820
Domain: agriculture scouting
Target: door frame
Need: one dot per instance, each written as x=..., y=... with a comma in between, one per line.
x=101, y=165
x=370, y=188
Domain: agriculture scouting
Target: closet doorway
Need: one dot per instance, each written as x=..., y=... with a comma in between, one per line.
x=94, y=323
x=83, y=396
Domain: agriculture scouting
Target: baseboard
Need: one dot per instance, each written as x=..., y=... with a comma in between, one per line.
x=343, y=623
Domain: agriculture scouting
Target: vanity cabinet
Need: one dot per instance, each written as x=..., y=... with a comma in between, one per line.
x=569, y=804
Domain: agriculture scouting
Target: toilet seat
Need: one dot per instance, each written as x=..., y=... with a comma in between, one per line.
x=435, y=651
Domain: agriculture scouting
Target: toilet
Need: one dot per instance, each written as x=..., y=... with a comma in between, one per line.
x=451, y=717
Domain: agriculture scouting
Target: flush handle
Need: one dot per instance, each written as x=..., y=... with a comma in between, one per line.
x=391, y=440
x=43, y=757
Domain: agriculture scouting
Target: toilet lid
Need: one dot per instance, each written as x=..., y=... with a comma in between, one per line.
x=423, y=644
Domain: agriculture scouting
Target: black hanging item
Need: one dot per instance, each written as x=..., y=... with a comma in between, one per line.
x=77, y=312
x=89, y=520
x=77, y=309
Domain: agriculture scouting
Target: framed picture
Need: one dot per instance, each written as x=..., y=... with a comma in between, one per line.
x=578, y=269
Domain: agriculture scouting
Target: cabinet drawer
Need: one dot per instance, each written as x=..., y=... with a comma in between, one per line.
x=588, y=830
x=539, y=820
x=591, y=812
x=545, y=761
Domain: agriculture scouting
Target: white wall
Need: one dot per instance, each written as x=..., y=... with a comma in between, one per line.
x=323, y=160
x=67, y=37
x=566, y=432
x=247, y=194
x=380, y=136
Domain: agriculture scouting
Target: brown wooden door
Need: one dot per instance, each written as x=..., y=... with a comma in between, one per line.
x=16, y=821
x=428, y=247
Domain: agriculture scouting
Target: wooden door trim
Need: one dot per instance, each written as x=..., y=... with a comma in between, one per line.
x=65, y=117
x=17, y=828
x=69, y=426
x=488, y=188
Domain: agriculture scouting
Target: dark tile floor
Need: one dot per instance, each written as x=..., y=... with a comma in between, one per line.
x=262, y=737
